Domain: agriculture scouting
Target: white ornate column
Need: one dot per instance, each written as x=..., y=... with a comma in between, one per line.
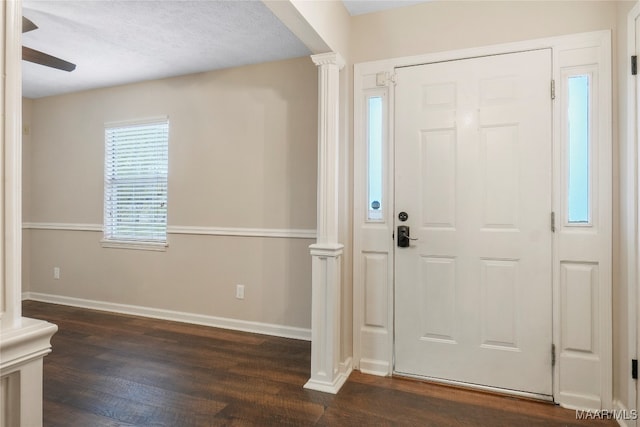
x=23, y=342
x=326, y=375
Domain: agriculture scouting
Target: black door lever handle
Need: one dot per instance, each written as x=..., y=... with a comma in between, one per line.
x=404, y=237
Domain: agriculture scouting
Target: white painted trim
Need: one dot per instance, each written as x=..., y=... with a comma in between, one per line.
x=22, y=349
x=578, y=402
x=569, y=392
x=134, y=122
x=329, y=65
x=189, y=230
x=375, y=367
x=245, y=232
x=329, y=58
x=326, y=374
x=30, y=341
x=326, y=387
x=388, y=66
x=61, y=226
x=326, y=250
x=23, y=342
x=622, y=414
x=135, y=245
x=176, y=316
x=11, y=165
x=372, y=346
x=633, y=157
x=346, y=366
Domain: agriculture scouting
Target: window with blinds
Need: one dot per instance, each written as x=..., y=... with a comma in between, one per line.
x=135, y=182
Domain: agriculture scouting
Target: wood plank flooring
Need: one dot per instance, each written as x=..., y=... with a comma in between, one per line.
x=116, y=370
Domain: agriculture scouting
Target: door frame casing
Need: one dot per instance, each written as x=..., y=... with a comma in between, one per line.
x=629, y=152
x=373, y=245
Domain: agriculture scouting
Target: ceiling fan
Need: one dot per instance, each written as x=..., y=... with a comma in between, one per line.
x=42, y=58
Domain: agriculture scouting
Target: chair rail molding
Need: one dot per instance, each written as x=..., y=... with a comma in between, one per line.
x=283, y=233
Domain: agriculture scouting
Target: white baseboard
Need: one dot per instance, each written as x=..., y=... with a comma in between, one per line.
x=177, y=316
x=326, y=387
x=379, y=368
x=346, y=366
x=623, y=415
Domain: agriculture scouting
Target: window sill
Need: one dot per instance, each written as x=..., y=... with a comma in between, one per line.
x=140, y=246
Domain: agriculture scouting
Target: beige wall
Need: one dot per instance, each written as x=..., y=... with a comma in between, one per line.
x=242, y=154
x=449, y=25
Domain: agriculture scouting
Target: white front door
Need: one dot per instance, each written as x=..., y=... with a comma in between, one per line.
x=473, y=293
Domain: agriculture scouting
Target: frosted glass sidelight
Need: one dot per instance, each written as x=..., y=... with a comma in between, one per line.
x=375, y=158
x=579, y=203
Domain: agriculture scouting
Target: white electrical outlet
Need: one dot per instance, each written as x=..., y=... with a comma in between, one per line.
x=240, y=291
x=56, y=273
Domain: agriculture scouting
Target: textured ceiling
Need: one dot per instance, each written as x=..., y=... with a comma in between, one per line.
x=117, y=42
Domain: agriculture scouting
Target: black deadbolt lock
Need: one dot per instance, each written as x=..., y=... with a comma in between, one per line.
x=403, y=216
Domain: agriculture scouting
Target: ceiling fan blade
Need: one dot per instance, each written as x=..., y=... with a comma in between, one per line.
x=42, y=58
x=28, y=25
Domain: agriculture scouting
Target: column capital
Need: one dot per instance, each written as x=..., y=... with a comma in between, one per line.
x=326, y=249
x=329, y=58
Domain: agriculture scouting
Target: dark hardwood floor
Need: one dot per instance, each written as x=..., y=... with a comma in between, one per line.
x=116, y=370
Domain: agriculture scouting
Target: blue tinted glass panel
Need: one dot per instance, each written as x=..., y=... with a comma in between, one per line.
x=374, y=161
x=579, y=141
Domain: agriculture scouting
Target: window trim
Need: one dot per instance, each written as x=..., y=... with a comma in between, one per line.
x=370, y=94
x=566, y=73
x=587, y=151
x=133, y=244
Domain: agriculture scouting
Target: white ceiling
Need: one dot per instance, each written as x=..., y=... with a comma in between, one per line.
x=115, y=42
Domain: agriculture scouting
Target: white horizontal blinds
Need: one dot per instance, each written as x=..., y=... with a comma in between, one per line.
x=136, y=168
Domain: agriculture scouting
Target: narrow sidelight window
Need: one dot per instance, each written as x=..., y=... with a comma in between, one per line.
x=374, y=158
x=579, y=131
x=135, y=182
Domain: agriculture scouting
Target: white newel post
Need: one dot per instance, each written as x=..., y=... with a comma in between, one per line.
x=23, y=342
x=326, y=252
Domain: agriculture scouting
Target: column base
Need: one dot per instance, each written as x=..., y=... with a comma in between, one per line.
x=327, y=387
x=326, y=374
x=346, y=368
